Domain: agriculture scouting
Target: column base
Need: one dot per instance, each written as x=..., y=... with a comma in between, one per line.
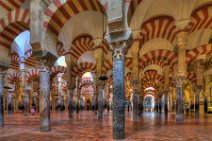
x=179, y=117
x=45, y=129
x=1, y=121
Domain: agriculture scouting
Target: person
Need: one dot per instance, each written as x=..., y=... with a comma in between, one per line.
x=32, y=110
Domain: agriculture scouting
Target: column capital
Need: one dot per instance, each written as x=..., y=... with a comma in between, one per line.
x=119, y=50
x=135, y=83
x=101, y=87
x=3, y=69
x=182, y=39
x=43, y=64
x=179, y=81
x=182, y=25
x=198, y=89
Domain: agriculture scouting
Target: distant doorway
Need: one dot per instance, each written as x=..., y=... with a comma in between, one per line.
x=149, y=103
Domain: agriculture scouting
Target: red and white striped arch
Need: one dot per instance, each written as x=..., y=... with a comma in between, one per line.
x=201, y=18
x=60, y=11
x=14, y=57
x=81, y=45
x=192, y=78
x=107, y=65
x=86, y=82
x=158, y=27
x=82, y=68
x=57, y=69
x=33, y=74
x=64, y=87
x=110, y=80
x=132, y=7
x=196, y=52
x=128, y=77
x=14, y=64
x=159, y=57
x=128, y=89
x=128, y=62
x=9, y=5
x=12, y=25
x=14, y=77
x=105, y=46
x=152, y=75
x=60, y=49
x=30, y=62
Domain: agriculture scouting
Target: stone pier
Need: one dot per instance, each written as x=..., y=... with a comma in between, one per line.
x=179, y=100
x=118, y=93
x=44, y=97
x=1, y=100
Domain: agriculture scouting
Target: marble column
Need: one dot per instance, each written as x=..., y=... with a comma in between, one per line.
x=166, y=103
x=199, y=64
x=26, y=103
x=118, y=92
x=78, y=96
x=23, y=82
x=44, y=97
x=135, y=77
x=53, y=100
x=135, y=102
x=156, y=104
x=197, y=101
x=182, y=42
x=70, y=102
x=1, y=100
x=10, y=102
x=166, y=88
x=207, y=92
x=179, y=100
x=100, y=101
x=60, y=101
x=160, y=105
x=141, y=102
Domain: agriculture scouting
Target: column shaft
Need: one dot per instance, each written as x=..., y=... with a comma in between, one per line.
x=118, y=100
x=26, y=103
x=166, y=103
x=44, y=97
x=179, y=104
x=197, y=100
x=10, y=103
x=1, y=101
x=100, y=102
x=135, y=103
x=70, y=103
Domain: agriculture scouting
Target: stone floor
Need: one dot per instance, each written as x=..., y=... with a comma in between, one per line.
x=86, y=127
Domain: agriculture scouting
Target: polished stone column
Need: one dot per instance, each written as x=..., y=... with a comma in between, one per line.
x=159, y=105
x=70, y=102
x=166, y=88
x=182, y=42
x=156, y=105
x=100, y=101
x=207, y=92
x=44, y=97
x=135, y=77
x=179, y=100
x=197, y=101
x=53, y=101
x=166, y=103
x=26, y=103
x=118, y=92
x=1, y=100
x=141, y=103
x=10, y=102
x=135, y=102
